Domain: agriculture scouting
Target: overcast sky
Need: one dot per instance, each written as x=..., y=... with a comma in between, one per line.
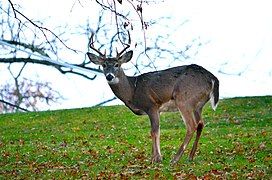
x=238, y=50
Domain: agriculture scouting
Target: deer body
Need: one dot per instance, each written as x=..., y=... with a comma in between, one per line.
x=188, y=87
x=153, y=87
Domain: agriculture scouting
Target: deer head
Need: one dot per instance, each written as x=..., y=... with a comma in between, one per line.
x=111, y=65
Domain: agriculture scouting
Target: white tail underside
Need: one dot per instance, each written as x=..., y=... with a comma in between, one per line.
x=214, y=105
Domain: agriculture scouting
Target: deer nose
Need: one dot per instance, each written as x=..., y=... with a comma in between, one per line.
x=109, y=77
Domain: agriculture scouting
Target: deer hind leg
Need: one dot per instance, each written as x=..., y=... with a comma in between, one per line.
x=155, y=135
x=188, y=118
x=200, y=125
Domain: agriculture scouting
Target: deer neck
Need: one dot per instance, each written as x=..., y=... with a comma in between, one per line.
x=124, y=89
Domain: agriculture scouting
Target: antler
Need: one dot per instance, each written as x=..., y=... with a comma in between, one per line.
x=127, y=46
x=91, y=45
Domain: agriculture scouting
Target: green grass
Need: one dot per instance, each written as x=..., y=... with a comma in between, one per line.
x=111, y=142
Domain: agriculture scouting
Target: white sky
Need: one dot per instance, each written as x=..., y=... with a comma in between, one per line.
x=239, y=36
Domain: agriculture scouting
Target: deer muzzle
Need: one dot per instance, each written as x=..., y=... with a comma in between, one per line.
x=111, y=78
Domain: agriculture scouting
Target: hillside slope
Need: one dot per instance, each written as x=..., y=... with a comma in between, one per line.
x=110, y=142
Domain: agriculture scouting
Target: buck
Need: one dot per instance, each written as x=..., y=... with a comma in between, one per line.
x=188, y=87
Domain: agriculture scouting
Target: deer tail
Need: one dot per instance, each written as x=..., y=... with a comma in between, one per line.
x=214, y=95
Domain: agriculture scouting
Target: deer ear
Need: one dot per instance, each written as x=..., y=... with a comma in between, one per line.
x=95, y=59
x=126, y=57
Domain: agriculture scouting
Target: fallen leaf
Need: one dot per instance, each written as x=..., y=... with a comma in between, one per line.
x=262, y=146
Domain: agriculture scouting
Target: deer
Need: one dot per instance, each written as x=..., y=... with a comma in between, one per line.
x=187, y=87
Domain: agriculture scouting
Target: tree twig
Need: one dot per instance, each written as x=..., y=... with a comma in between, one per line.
x=104, y=102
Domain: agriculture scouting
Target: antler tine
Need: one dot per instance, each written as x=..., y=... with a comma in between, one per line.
x=127, y=46
x=91, y=45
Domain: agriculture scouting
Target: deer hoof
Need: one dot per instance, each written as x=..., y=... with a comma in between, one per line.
x=190, y=159
x=156, y=158
x=174, y=160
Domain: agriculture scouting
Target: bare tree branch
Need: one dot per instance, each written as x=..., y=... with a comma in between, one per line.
x=57, y=66
x=111, y=9
x=31, y=47
x=13, y=105
x=41, y=28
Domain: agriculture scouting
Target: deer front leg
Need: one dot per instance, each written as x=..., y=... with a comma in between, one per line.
x=155, y=135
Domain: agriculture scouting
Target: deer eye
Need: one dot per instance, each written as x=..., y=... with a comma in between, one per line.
x=116, y=65
x=104, y=65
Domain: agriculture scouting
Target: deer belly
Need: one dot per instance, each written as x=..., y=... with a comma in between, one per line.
x=169, y=106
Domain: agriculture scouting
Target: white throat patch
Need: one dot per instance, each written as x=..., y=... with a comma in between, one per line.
x=114, y=81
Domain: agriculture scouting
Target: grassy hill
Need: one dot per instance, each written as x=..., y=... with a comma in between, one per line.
x=111, y=142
